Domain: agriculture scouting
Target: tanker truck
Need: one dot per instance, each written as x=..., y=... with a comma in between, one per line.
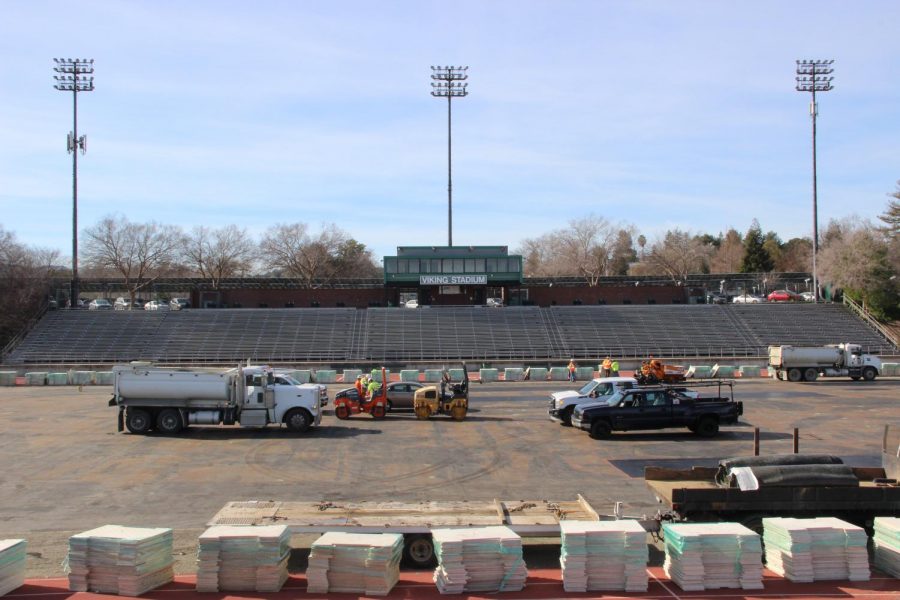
x=807, y=363
x=169, y=399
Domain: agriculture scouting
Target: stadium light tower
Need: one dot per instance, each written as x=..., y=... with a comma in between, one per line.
x=448, y=83
x=75, y=75
x=813, y=76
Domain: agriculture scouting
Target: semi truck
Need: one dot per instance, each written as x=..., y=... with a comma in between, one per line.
x=808, y=363
x=169, y=399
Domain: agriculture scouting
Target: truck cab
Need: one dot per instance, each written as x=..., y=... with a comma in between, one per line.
x=595, y=391
x=271, y=397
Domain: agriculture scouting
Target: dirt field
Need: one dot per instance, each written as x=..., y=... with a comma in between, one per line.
x=65, y=469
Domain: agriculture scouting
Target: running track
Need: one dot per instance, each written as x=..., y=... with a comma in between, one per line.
x=543, y=584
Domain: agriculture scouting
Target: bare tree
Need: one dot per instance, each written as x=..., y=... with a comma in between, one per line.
x=728, y=256
x=139, y=252
x=219, y=253
x=676, y=255
x=796, y=256
x=292, y=250
x=24, y=282
x=587, y=247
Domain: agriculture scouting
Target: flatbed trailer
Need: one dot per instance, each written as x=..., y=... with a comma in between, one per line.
x=415, y=520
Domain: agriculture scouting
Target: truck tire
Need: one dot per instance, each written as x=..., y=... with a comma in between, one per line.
x=810, y=374
x=566, y=416
x=298, y=420
x=600, y=430
x=138, y=421
x=418, y=551
x=342, y=412
x=869, y=374
x=795, y=375
x=169, y=421
x=707, y=427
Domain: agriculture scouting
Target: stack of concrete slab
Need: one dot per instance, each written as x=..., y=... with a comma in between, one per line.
x=887, y=545
x=12, y=565
x=355, y=563
x=604, y=555
x=478, y=559
x=236, y=559
x=824, y=548
x=706, y=556
x=127, y=561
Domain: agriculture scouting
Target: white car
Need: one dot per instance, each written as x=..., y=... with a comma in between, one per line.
x=563, y=403
x=494, y=302
x=411, y=304
x=100, y=304
x=748, y=299
x=156, y=305
x=808, y=297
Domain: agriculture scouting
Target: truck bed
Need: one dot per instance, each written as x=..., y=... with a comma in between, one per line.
x=525, y=517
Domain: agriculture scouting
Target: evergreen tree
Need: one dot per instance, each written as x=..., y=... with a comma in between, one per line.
x=756, y=257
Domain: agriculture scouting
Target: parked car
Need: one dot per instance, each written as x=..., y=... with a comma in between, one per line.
x=411, y=304
x=179, y=303
x=400, y=394
x=52, y=304
x=495, y=302
x=783, y=296
x=124, y=304
x=100, y=304
x=808, y=297
x=156, y=305
x=716, y=298
x=748, y=299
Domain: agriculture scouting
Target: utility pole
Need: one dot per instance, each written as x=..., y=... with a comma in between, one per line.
x=812, y=76
x=448, y=83
x=75, y=75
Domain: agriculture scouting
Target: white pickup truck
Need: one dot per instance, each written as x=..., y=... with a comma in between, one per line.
x=563, y=403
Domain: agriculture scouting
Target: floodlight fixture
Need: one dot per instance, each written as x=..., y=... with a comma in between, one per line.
x=74, y=75
x=447, y=83
x=814, y=76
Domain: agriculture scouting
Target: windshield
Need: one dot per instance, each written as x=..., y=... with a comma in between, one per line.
x=584, y=391
x=285, y=380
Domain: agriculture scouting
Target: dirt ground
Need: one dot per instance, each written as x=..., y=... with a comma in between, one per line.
x=65, y=469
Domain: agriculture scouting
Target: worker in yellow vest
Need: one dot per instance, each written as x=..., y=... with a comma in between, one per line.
x=614, y=368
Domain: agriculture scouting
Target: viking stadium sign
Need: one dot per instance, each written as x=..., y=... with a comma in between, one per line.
x=453, y=280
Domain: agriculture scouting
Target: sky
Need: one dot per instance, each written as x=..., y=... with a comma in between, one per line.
x=657, y=114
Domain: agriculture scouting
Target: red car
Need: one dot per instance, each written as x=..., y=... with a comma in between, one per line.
x=783, y=296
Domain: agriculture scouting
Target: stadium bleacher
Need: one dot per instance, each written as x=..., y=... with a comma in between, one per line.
x=298, y=335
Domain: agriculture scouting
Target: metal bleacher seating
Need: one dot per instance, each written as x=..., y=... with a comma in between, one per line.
x=335, y=335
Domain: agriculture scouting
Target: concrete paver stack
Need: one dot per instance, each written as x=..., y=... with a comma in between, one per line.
x=12, y=565
x=358, y=563
x=603, y=555
x=887, y=545
x=823, y=548
x=478, y=559
x=127, y=561
x=703, y=556
x=243, y=558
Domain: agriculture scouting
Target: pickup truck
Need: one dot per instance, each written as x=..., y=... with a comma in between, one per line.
x=563, y=403
x=659, y=407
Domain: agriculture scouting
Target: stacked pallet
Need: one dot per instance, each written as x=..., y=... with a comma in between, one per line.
x=12, y=565
x=479, y=559
x=127, y=561
x=603, y=555
x=887, y=545
x=817, y=549
x=705, y=556
x=356, y=563
x=243, y=559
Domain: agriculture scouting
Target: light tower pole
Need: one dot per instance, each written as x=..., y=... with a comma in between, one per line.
x=75, y=75
x=447, y=82
x=812, y=76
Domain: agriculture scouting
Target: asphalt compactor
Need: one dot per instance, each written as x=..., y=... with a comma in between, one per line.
x=447, y=399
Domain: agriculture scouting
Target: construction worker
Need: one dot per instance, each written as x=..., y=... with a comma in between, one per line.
x=606, y=367
x=572, y=368
x=614, y=368
x=372, y=388
x=359, y=386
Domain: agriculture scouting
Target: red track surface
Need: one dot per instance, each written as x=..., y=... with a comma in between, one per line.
x=543, y=584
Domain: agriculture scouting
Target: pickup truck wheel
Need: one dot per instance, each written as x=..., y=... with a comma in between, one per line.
x=795, y=375
x=869, y=373
x=810, y=374
x=298, y=420
x=600, y=430
x=169, y=421
x=342, y=412
x=566, y=416
x=418, y=551
x=855, y=377
x=707, y=427
x=138, y=421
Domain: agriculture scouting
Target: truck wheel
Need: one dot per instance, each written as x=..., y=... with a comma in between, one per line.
x=566, y=416
x=855, y=377
x=707, y=427
x=342, y=412
x=810, y=374
x=169, y=421
x=378, y=411
x=298, y=420
x=600, y=430
x=869, y=373
x=418, y=551
x=795, y=375
x=138, y=421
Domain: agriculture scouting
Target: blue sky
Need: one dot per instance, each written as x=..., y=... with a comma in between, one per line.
x=659, y=114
